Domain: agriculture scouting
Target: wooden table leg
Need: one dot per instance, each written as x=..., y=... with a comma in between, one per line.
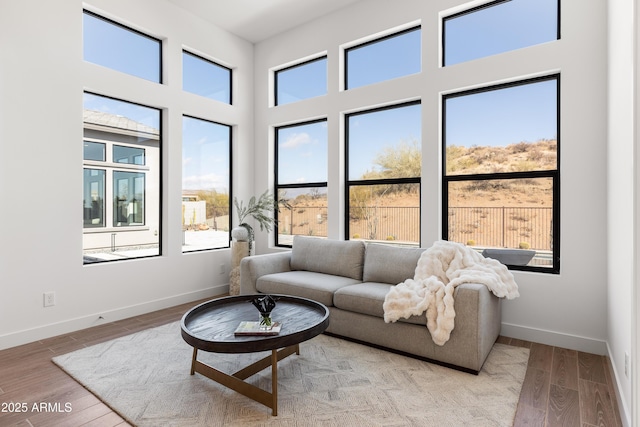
x=236, y=381
x=193, y=360
x=274, y=382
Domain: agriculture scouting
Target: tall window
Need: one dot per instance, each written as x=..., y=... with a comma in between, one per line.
x=206, y=78
x=384, y=164
x=120, y=48
x=301, y=81
x=393, y=56
x=301, y=180
x=501, y=172
x=206, y=180
x=121, y=190
x=497, y=27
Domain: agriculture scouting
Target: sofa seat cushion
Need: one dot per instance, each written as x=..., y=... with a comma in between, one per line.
x=337, y=257
x=367, y=298
x=319, y=287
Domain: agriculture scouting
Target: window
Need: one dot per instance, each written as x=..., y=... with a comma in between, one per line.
x=301, y=81
x=206, y=78
x=206, y=180
x=497, y=27
x=128, y=206
x=122, y=153
x=94, y=194
x=130, y=155
x=384, y=164
x=393, y=56
x=95, y=151
x=500, y=169
x=301, y=180
x=115, y=46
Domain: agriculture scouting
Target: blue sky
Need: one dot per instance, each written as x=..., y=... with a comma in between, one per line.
x=370, y=133
x=205, y=155
x=302, y=153
x=123, y=50
x=522, y=113
x=525, y=113
x=510, y=25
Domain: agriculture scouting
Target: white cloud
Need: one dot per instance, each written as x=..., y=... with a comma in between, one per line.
x=296, y=139
x=205, y=182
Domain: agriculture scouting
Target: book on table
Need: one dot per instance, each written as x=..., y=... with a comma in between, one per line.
x=253, y=328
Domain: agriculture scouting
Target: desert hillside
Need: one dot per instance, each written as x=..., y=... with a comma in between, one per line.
x=485, y=213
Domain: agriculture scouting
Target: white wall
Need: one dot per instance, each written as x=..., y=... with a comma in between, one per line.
x=620, y=200
x=567, y=309
x=42, y=79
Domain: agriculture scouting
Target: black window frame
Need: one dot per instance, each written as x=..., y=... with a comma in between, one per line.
x=230, y=183
x=279, y=186
x=476, y=9
x=187, y=52
x=368, y=43
x=553, y=174
x=371, y=182
x=161, y=179
x=140, y=33
x=300, y=64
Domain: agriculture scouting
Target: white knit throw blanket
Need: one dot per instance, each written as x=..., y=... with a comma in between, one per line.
x=440, y=269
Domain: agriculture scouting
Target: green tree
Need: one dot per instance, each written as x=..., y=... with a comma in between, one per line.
x=403, y=160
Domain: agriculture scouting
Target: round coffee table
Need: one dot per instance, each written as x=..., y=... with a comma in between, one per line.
x=210, y=327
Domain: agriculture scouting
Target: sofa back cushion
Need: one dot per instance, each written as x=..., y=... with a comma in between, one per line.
x=337, y=257
x=390, y=264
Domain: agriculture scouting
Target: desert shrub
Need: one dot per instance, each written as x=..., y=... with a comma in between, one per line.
x=524, y=245
x=471, y=242
x=520, y=147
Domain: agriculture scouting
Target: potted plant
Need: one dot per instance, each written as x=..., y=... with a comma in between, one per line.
x=259, y=210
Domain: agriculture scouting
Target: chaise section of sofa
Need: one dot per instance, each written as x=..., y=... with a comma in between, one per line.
x=352, y=279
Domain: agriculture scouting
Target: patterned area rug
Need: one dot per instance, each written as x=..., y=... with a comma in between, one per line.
x=333, y=382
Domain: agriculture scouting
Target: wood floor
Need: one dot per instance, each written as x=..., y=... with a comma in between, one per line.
x=561, y=388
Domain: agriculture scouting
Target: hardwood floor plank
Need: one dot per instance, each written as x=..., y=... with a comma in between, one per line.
x=535, y=389
x=547, y=398
x=564, y=370
x=564, y=407
x=541, y=356
x=591, y=367
x=527, y=416
x=596, y=404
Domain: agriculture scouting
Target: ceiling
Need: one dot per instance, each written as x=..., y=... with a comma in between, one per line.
x=257, y=20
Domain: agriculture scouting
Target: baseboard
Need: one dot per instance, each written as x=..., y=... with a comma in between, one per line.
x=623, y=410
x=554, y=338
x=51, y=330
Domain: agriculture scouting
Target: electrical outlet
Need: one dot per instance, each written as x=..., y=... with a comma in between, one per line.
x=626, y=364
x=222, y=269
x=49, y=299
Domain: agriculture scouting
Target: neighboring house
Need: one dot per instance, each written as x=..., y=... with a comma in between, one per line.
x=121, y=160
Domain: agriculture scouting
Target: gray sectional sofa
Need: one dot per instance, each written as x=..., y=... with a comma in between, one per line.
x=352, y=278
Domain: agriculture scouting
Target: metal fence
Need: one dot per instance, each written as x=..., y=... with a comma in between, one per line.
x=372, y=223
x=386, y=223
x=479, y=226
x=303, y=220
x=503, y=227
